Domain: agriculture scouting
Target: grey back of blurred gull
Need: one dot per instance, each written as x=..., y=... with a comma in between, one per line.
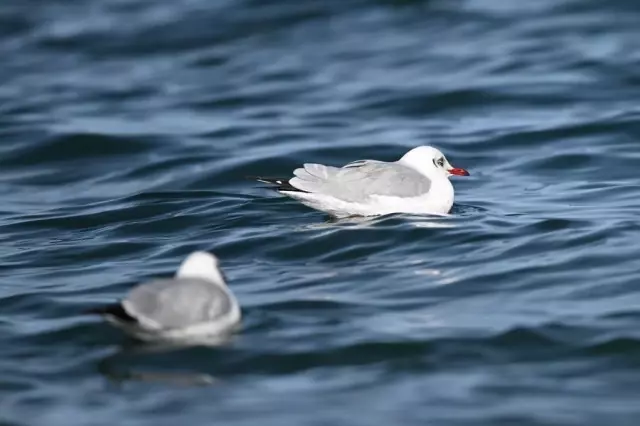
x=195, y=303
x=178, y=303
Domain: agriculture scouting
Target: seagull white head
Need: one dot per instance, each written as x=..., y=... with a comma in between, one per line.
x=431, y=162
x=201, y=265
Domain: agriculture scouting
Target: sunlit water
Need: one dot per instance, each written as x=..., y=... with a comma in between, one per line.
x=128, y=128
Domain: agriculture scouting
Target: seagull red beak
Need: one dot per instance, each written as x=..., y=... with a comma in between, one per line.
x=458, y=172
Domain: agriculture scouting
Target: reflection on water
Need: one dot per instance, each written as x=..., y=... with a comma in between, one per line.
x=164, y=378
x=364, y=222
x=120, y=366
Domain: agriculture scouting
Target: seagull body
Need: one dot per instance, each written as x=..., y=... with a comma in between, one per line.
x=195, y=303
x=418, y=183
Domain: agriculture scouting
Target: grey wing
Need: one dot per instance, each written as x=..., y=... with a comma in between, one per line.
x=361, y=179
x=178, y=303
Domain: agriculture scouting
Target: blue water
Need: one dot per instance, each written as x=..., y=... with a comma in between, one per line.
x=127, y=129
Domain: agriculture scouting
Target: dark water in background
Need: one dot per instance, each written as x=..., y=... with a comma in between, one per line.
x=127, y=127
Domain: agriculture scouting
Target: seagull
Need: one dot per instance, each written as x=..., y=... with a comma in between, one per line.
x=418, y=183
x=195, y=304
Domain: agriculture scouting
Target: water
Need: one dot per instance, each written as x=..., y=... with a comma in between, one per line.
x=128, y=128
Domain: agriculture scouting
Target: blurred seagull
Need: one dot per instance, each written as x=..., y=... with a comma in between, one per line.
x=418, y=183
x=195, y=304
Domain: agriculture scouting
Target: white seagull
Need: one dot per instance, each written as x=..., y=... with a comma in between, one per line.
x=195, y=304
x=418, y=183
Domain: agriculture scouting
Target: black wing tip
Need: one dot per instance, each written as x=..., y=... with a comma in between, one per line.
x=114, y=309
x=281, y=184
x=270, y=180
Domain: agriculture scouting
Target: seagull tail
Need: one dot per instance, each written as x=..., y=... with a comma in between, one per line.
x=114, y=310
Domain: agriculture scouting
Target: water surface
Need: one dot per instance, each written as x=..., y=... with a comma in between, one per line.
x=128, y=128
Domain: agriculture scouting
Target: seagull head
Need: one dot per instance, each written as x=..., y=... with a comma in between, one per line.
x=431, y=162
x=201, y=265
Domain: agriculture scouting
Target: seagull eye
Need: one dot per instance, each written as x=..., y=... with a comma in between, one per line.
x=441, y=162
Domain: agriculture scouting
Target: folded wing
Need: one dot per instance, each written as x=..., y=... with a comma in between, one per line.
x=360, y=180
x=178, y=303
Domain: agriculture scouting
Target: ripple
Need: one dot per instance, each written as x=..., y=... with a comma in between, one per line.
x=71, y=148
